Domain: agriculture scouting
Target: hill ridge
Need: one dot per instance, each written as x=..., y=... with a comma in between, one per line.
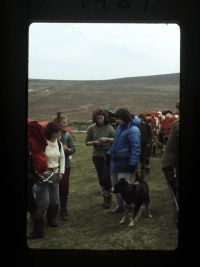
x=78, y=99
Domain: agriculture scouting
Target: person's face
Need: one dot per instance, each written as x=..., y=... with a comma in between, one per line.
x=119, y=121
x=100, y=119
x=64, y=124
x=55, y=135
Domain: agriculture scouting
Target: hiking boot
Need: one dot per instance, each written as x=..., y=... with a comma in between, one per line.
x=52, y=223
x=107, y=205
x=38, y=226
x=64, y=214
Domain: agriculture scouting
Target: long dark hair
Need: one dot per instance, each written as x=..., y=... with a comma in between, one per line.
x=101, y=112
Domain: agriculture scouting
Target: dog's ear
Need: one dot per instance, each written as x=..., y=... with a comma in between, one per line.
x=122, y=181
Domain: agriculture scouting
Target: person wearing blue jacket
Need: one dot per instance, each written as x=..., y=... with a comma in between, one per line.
x=136, y=121
x=124, y=154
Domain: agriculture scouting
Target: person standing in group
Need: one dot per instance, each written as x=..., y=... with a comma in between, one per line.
x=32, y=208
x=170, y=163
x=56, y=163
x=124, y=153
x=69, y=149
x=100, y=135
x=36, y=165
x=146, y=144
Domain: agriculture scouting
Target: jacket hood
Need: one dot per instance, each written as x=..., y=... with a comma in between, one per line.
x=136, y=121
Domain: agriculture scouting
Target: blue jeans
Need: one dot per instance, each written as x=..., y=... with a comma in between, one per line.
x=115, y=177
x=49, y=195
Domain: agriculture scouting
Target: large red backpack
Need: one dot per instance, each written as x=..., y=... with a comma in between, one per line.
x=167, y=120
x=36, y=146
x=43, y=124
x=166, y=123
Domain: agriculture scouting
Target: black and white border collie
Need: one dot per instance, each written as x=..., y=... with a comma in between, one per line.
x=135, y=196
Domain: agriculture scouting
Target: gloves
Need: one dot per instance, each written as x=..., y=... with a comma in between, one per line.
x=132, y=168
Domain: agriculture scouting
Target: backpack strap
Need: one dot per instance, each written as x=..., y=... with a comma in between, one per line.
x=59, y=145
x=110, y=133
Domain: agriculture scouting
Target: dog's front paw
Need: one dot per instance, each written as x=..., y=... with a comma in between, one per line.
x=131, y=223
x=122, y=220
x=150, y=216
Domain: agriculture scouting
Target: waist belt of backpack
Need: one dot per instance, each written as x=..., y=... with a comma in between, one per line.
x=53, y=169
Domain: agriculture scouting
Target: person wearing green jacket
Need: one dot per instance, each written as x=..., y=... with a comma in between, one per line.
x=69, y=149
x=100, y=135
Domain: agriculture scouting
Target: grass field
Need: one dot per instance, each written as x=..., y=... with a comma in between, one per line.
x=92, y=227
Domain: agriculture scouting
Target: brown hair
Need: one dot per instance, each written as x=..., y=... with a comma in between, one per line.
x=101, y=112
x=52, y=127
x=123, y=114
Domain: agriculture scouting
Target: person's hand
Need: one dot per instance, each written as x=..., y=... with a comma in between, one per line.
x=103, y=139
x=39, y=179
x=66, y=148
x=59, y=177
x=91, y=143
x=97, y=142
x=132, y=168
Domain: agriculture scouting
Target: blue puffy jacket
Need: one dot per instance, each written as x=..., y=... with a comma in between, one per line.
x=136, y=121
x=126, y=148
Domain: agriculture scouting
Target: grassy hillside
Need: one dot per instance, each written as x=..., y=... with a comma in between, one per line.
x=92, y=227
x=78, y=99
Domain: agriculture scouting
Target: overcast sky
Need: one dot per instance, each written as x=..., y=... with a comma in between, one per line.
x=83, y=51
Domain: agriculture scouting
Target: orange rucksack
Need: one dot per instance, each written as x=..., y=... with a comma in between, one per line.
x=167, y=120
